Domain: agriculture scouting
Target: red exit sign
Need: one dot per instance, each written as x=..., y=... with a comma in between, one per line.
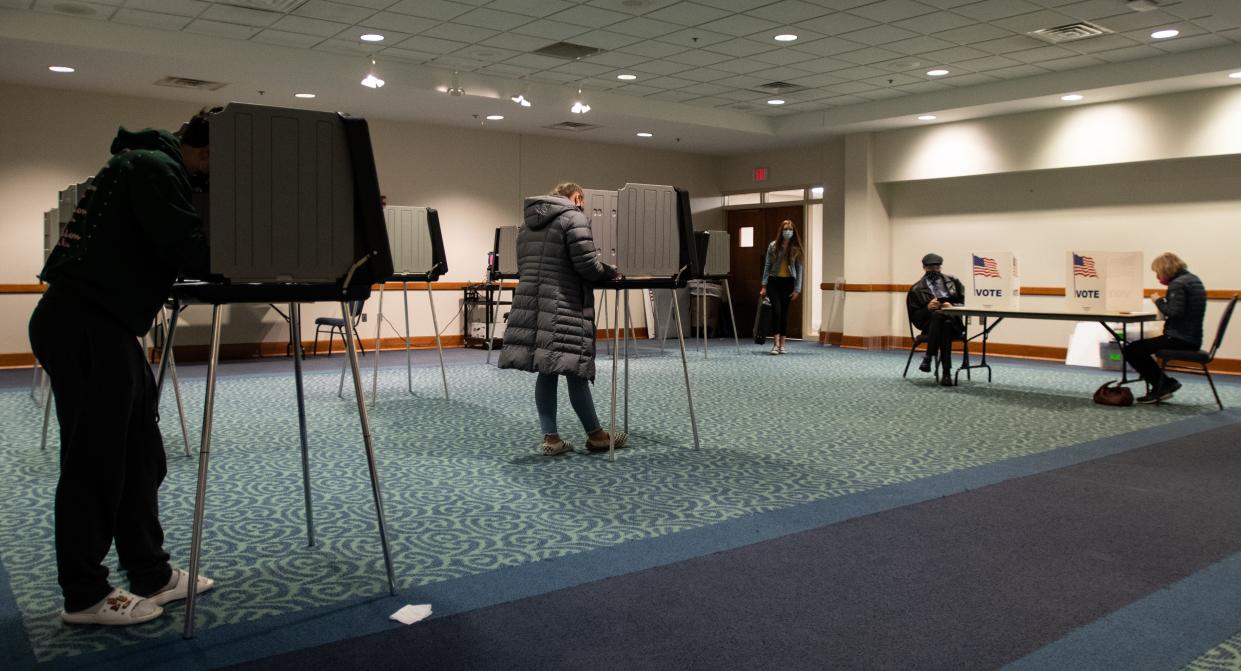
x=760, y=174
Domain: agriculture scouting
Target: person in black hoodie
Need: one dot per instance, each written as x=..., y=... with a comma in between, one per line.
x=130, y=236
x=934, y=291
x=1183, y=309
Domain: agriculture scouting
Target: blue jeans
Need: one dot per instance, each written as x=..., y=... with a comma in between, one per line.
x=579, y=397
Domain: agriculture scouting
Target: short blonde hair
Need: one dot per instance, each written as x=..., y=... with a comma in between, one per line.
x=1168, y=265
x=567, y=189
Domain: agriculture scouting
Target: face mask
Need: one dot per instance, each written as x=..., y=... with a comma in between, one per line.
x=1162, y=280
x=788, y=234
x=933, y=274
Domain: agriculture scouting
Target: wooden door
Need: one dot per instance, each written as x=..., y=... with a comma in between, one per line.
x=746, y=263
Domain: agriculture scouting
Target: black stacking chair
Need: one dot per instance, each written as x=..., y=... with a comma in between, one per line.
x=921, y=339
x=1200, y=357
x=337, y=324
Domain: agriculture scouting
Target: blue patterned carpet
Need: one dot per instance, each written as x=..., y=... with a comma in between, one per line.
x=466, y=493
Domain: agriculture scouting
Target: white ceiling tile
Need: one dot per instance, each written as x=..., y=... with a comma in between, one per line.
x=333, y=11
x=431, y=9
x=816, y=81
x=669, y=82
x=947, y=4
x=973, y=34
x=643, y=27
x=880, y=34
x=486, y=54
x=687, y=14
x=803, y=35
x=239, y=15
x=590, y=17
x=508, y=69
x=178, y=7
x=1071, y=63
x=741, y=66
x=638, y=90
x=730, y=5
x=740, y=48
x=704, y=74
x=536, y=61
x=136, y=17
x=16, y=4
x=919, y=45
x=281, y=38
x=428, y=44
x=990, y=10
x=556, y=77
x=582, y=69
x=1025, y=23
x=893, y=79
x=954, y=54
x=829, y=46
x=1192, y=43
x=1216, y=24
x=642, y=7
x=653, y=49
x=616, y=59
x=988, y=63
x=740, y=25
x=892, y=10
x=783, y=57
x=601, y=83
x=461, y=33
x=1128, y=54
x=1012, y=43
x=934, y=23
x=1017, y=72
x=404, y=23
x=1139, y=20
x=604, y=39
x=301, y=24
x=780, y=73
x=373, y=4
x=705, y=89
x=860, y=72
x=355, y=34
x=517, y=42
x=1090, y=10
x=694, y=38
x=345, y=47
x=672, y=96
x=1047, y=53
x=924, y=87
x=971, y=79
x=221, y=29
x=881, y=94
x=868, y=56
x=81, y=10
x=698, y=57
x=551, y=30
x=713, y=101
x=537, y=8
x=836, y=24
x=1101, y=43
x=458, y=63
x=789, y=11
x=850, y=88
x=407, y=56
x=660, y=68
x=490, y=18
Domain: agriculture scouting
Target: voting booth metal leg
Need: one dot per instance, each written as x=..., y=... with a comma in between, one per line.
x=47, y=411
x=439, y=346
x=35, y=389
x=689, y=396
x=176, y=384
x=612, y=425
x=379, y=322
x=295, y=329
x=607, y=327
x=672, y=305
x=169, y=339
x=352, y=353
x=628, y=332
x=204, y=452
x=731, y=315
x=409, y=364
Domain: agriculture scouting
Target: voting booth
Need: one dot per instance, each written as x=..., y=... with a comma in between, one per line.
x=1103, y=281
x=600, y=207
x=501, y=266
x=994, y=280
x=295, y=217
x=713, y=248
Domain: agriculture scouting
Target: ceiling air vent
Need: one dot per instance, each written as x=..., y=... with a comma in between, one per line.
x=572, y=126
x=567, y=51
x=188, y=83
x=282, y=6
x=779, y=87
x=1069, y=33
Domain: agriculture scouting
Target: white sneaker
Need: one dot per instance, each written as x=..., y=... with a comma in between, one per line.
x=117, y=609
x=774, y=350
x=176, y=590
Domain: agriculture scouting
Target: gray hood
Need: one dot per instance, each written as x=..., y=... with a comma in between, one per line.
x=543, y=210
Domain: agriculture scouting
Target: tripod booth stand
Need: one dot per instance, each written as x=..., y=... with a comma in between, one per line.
x=654, y=250
x=502, y=267
x=417, y=256
x=295, y=217
x=713, y=249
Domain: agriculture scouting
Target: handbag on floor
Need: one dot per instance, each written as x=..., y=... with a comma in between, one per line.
x=762, y=320
x=1111, y=393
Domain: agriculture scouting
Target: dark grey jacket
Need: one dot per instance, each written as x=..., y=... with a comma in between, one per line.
x=551, y=327
x=1184, y=307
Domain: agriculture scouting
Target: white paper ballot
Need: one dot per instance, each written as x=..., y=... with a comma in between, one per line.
x=411, y=614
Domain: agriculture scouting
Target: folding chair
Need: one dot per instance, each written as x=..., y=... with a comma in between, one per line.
x=1200, y=357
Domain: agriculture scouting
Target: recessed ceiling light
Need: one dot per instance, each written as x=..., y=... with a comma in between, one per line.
x=495, y=117
x=303, y=95
x=372, y=37
x=927, y=117
x=785, y=37
x=1235, y=75
x=1072, y=97
x=1165, y=34
x=936, y=73
x=627, y=78
x=645, y=134
x=61, y=68
x=775, y=101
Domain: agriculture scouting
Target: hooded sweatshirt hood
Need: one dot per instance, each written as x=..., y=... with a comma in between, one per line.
x=543, y=210
x=147, y=138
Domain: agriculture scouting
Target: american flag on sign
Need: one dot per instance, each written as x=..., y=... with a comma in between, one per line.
x=1083, y=266
x=985, y=267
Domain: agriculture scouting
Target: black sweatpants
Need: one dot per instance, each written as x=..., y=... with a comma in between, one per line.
x=1140, y=355
x=779, y=290
x=111, y=453
x=940, y=329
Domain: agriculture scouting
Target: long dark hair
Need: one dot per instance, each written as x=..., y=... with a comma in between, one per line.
x=791, y=248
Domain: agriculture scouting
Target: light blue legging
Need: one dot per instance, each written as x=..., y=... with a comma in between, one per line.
x=579, y=396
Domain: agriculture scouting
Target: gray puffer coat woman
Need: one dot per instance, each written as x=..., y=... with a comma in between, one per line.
x=551, y=327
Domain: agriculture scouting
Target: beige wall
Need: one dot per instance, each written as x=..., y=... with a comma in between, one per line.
x=475, y=178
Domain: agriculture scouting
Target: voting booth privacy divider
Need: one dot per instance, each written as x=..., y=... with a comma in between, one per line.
x=295, y=217
x=1103, y=281
x=994, y=280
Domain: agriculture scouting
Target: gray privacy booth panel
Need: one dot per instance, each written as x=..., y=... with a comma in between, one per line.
x=648, y=240
x=51, y=231
x=506, y=250
x=281, y=197
x=600, y=209
x=413, y=235
x=717, y=262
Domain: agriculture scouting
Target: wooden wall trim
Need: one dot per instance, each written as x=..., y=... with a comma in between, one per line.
x=22, y=288
x=1212, y=294
x=388, y=286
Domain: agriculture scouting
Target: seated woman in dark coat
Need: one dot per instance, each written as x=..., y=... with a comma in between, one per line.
x=551, y=327
x=1184, y=309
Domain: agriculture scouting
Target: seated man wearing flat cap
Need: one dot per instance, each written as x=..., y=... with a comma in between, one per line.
x=930, y=294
